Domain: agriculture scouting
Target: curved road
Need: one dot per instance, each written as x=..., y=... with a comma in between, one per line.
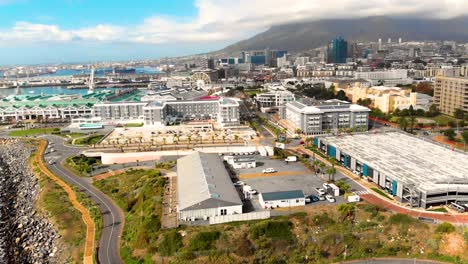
x=113, y=220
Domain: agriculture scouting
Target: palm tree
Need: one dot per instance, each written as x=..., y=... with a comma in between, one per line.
x=347, y=210
x=224, y=138
x=403, y=123
x=330, y=171
x=236, y=137
x=322, y=168
x=316, y=163
x=189, y=138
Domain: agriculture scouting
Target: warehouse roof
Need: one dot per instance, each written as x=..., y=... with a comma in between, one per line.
x=203, y=182
x=285, y=195
x=408, y=159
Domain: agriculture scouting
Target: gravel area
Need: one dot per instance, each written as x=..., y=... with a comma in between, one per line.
x=25, y=235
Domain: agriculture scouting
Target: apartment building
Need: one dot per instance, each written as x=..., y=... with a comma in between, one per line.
x=323, y=116
x=451, y=93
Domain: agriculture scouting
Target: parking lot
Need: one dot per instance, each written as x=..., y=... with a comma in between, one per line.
x=289, y=176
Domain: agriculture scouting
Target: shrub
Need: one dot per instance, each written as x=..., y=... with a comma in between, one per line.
x=203, y=240
x=401, y=219
x=278, y=230
x=170, y=244
x=445, y=228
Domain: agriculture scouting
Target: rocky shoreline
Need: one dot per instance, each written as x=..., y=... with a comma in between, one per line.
x=25, y=235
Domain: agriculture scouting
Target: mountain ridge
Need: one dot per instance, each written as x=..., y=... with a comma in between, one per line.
x=309, y=35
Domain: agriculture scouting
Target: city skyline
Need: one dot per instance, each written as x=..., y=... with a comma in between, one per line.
x=79, y=31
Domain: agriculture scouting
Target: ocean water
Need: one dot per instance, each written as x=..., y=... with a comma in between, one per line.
x=52, y=90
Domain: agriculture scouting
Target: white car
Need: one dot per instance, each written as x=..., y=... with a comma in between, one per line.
x=252, y=191
x=320, y=191
x=269, y=170
x=321, y=198
x=239, y=183
x=330, y=198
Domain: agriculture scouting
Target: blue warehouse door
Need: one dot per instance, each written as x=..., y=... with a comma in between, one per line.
x=331, y=151
x=394, y=187
x=316, y=141
x=365, y=170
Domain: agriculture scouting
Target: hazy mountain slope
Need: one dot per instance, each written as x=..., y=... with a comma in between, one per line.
x=298, y=37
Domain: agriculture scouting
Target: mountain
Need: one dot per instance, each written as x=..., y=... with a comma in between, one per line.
x=309, y=35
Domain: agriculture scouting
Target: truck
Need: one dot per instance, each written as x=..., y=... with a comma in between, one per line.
x=353, y=198
x=333, y=189
x=291, y=159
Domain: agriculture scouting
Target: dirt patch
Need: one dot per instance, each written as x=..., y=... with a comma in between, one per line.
x=453, y=244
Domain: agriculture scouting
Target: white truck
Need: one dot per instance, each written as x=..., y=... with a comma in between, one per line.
x=353, y=198
x=291, y=159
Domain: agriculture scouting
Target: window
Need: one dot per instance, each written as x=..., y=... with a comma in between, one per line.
x=223, y=211
x=297, y=201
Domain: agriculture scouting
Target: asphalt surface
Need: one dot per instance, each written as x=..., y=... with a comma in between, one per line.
x=108, y=251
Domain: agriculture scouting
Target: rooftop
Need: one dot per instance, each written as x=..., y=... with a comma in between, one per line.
x=408, y=159
x=311, y=107
x=285, y=195
x=203, y=182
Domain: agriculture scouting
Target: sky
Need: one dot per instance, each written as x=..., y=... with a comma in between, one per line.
x=61, y=31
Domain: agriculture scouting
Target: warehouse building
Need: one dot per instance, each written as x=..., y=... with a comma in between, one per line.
x=414, y=171
x=322, y=116
x=204, y=188
x=282, y=199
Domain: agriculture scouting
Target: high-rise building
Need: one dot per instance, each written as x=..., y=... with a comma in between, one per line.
x=451, y=93
x=339, y=51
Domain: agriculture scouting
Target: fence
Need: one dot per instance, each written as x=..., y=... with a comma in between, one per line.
x=239, y=217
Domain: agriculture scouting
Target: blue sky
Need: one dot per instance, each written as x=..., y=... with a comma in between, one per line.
x=56, y=31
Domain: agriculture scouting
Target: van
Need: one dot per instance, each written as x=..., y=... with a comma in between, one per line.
x=291, y=159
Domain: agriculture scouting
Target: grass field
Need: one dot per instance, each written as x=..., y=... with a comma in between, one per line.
x=33, y=132
x=443, y=120
x=139, y=194
x=54, y=203
x=133, y=125
x=381, y=193
x=90, y=140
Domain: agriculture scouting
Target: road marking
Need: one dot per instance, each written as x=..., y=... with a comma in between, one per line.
x=361, y=192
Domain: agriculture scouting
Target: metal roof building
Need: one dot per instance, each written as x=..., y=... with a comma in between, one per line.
x=205, y=188
x=282, y=199
x=415, y=171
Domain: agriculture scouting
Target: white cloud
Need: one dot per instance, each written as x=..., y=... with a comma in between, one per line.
x=221, y=20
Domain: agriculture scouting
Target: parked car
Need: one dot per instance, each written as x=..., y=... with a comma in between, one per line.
x=320, y=191
x=311, y=199
x=321, y=198
x=239, y=183
x=252, y=191
x=51, y=162
x=269, y=170
x=330, y=198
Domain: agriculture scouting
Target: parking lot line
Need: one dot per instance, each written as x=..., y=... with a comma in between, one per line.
x=267, y=175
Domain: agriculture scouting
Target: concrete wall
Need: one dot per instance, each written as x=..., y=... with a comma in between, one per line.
x=239, y=217
x=209, y=212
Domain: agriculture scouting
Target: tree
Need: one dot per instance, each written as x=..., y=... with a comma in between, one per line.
x=343, y=186
x=341, y=95
x=322, y=168
x=347, y=210
x=331, y=172
x=433, y=111
x=452, y=124
x=465, y=138
x=450, y=134
x=458, y=113
x=403, y=123
x=315, y=164
x=412, y=119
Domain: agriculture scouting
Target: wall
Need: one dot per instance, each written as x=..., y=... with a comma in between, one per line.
x=281, y=203
x=239, y=217
x=210, y=212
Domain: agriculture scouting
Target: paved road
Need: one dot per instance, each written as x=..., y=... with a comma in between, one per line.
x=113, y=220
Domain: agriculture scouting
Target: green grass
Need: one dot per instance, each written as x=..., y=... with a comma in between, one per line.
x=139, y=194
x=441, y=209
x=91, y=140
x=133, y=125
x=54, y=203
x=443, y=119
x=381, y=193
x=33, y=132
x=82, y=165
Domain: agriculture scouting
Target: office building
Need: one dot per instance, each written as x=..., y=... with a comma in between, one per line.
x=204, y=188
x=415, y=171
x=339, y=51
x=386, y=78
x=274, y=99
x=325, y=116
x=451, y=93
x=271, y=200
